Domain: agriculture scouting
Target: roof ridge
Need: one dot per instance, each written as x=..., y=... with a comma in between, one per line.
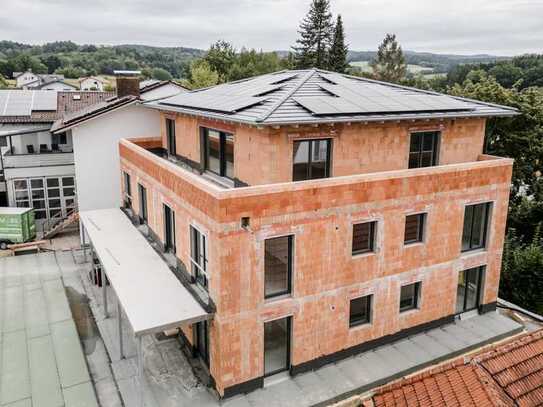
x=282, y=100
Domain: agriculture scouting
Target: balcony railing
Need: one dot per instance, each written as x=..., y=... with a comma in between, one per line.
x=43, y=159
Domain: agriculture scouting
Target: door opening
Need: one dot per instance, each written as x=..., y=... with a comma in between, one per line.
x=202, y=341
x=277, y=346
x=469, y=289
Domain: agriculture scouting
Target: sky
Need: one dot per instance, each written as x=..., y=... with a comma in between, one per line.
x=499, y=27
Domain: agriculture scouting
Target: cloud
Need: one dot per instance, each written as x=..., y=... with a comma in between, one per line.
x=460, y=26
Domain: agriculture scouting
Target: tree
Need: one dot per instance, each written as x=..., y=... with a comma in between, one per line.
x=316, y=31
x=522, y=272
x=3, y=82
x=389, y=63
x=220, y=58
x=337, y=60
x=161, y=74
x=202, y=76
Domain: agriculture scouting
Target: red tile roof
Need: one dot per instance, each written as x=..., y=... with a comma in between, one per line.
x=509, y=374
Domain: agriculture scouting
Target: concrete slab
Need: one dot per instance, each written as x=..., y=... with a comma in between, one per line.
x=36, y=318
x=57, y=304
x=45, y=381
x=15, y=379
x=70, y=361
x=20, y=403
x=81, y=395
x=13, y=309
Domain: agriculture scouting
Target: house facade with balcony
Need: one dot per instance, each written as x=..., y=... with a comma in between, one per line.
x=318, y=215
x=38, y=166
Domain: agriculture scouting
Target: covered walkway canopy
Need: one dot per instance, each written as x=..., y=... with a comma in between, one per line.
x=150, y=295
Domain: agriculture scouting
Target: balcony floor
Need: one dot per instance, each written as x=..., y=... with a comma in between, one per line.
x=170, y=381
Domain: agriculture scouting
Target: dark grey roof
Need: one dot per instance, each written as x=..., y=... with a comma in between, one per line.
x=318, y=96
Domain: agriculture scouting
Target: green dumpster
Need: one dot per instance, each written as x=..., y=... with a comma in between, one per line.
x=17, y=225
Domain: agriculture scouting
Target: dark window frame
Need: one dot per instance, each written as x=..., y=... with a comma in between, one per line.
x=222, y=152
x=436, y=142
x=484, y=225
x=199, y=256
x=421, y=228
x=288, y=350
x=290, y=262
x=371, y=238
x=416, y=297
x=358, y=321
x=127, y=190
x=171, y=142
x=59, y=139
x=142, y=197
x=481, y=270
x=169, y=229
x=328, y=165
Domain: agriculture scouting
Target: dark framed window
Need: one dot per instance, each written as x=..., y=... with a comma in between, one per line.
x=218, y=152
x=198, y=257
x=468, y=291
x=170, y=137
x=364, y=237
x=169, y=229
x=277, y=346
x=59, y=139
x=360, y=311
x=409, y=296
x=311, y=159
x=142, y=194
x=476, y=218
x=278, y=266
x=414, y=228
x=423, y=149
x=202, y=340
x=127, y=190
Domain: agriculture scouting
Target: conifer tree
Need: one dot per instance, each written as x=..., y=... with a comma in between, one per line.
x=337, y=60
x=389, y=63
x=316, y=30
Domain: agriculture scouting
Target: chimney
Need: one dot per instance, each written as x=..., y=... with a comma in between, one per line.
x=128, y=83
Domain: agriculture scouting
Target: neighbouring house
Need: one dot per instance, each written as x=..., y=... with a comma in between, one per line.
x=29, y=80
x=38, y=167
x=155, y=89
x=314, y=215
x=92, y=83
x=95, y=133
x=507, y=374
x=58, y=85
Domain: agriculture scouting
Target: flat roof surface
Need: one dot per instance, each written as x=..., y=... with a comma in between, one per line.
x=42, y=362
x=152, y=298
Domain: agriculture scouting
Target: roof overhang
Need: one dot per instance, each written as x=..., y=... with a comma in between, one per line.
x=152, y=298
x=25, y=130
x=329, y=120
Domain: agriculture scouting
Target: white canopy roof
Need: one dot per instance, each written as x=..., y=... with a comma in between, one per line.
x=152, y=298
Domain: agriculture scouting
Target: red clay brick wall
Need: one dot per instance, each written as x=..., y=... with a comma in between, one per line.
x=320, y=215
x=264, y=156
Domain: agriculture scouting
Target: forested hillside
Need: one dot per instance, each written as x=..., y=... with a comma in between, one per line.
x=75, y=60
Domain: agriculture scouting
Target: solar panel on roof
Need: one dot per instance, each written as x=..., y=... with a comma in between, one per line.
x=44, y=100
x=220, y=103
x=3, y=101
x=19, y=103
x=329, y=105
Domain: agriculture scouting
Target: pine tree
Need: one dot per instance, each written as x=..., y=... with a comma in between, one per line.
x=389, y=64
x=316, y=30
x=337, y=60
